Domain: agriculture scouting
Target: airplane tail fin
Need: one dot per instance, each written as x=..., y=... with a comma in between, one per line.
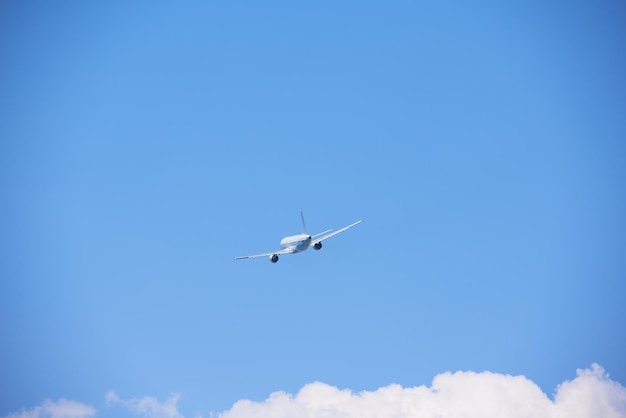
x=303, y=224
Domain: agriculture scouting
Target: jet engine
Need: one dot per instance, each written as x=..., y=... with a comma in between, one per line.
x=317, y=245
x=274, y=258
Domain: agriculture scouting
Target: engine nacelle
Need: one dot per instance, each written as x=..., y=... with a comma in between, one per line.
x=274, y=258
x=317, y=246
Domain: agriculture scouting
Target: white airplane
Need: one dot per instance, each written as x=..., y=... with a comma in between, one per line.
x=298, y=243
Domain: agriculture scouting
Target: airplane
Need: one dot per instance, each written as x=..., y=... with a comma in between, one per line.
x=298, y=243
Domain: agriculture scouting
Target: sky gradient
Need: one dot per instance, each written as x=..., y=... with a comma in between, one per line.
x=144, y=145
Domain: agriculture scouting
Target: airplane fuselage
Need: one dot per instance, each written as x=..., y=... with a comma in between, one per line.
x=297, y=243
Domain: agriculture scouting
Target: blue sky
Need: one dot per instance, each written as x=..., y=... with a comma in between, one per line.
x=144, y=145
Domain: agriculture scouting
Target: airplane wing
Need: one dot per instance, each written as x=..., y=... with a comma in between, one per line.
x=278, y=252
x=332, y=234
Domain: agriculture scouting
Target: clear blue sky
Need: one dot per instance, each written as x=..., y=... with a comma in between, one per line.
x=144, y=144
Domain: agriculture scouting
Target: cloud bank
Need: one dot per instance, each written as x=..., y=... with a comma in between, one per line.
x=59, y=409
x=460, y=394
x=451, y=395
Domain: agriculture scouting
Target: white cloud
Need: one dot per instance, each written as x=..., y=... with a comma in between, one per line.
x=451, y=395
x=147, y=406
x=591, y=393
x=59, y=409
x=460, y=394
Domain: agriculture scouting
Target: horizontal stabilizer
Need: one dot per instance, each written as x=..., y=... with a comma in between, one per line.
x=332, y=234
x=321, y=233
